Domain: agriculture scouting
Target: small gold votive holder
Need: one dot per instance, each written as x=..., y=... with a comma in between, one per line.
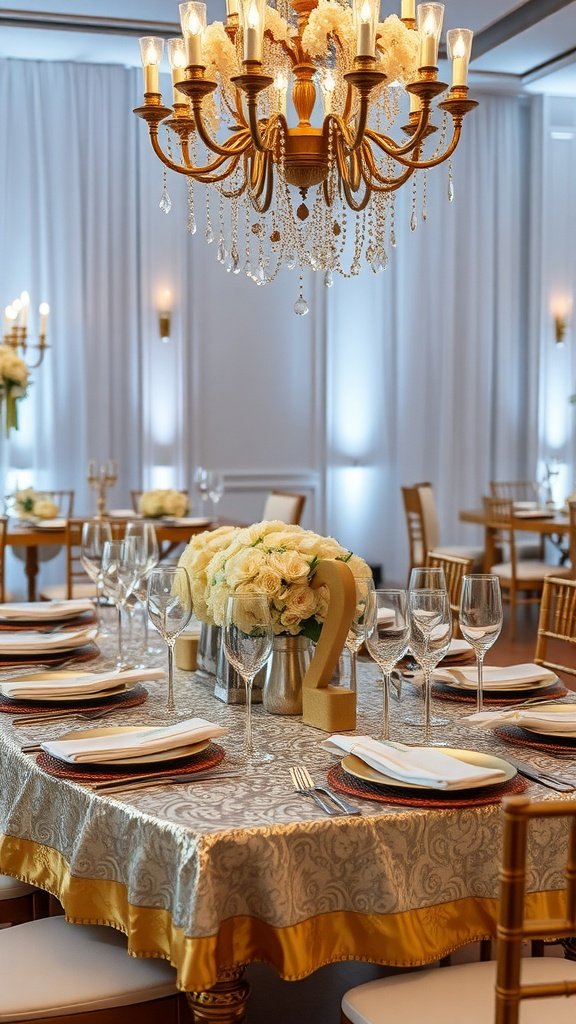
x=186, y=651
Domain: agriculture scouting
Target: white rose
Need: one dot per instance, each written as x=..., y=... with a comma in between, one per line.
x=244, y=566
x=301, y=600
x=291, y=566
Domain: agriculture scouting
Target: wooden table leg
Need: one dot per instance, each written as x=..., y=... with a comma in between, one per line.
x=31, y=571
x=225, y=1003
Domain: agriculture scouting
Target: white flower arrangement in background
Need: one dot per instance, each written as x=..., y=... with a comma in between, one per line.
x=31, y=504
x=154, y=504
x=269, y=558
x=14, y=379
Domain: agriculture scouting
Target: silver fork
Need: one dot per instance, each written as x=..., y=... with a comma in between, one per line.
x=304, y=783
x=60, y=716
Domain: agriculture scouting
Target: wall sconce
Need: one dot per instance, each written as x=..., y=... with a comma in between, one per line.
x=164, y=318
x=561, y=308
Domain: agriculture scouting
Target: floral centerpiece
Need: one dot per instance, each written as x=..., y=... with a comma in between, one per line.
x=270, y=558
x=14, y=376
x=31, y=504
x=154, y=504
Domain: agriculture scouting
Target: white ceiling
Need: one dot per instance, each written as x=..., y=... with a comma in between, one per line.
x=518, y=46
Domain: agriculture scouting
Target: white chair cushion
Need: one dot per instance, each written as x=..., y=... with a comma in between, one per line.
x=13, y=888
x=528, y=570
x=59, y=591
x=457, y=995
x=51, y=968
x=460, y=551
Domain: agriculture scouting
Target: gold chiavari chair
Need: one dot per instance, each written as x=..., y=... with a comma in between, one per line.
x=521, y=581
x=454, y=570
x=20, y=902
x=556, y=640
x=424, y=529
x=522, y=491
x=284, y=506
x=486, y=992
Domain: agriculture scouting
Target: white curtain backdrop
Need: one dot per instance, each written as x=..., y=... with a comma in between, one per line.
x=427, y=371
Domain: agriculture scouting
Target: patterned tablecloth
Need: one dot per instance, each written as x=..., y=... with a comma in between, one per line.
x=216, y=874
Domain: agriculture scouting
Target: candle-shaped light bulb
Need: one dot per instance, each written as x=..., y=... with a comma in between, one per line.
x=327, y=87
x=231, y=8
x=151, y=50
x=281, y=87
x=459, y=45
x=408, y=10
x=430, y=17
x=365, y=21
x=177, y=61
x=252, y=13
x=25, y=300
x=193, y=20
x=44, y=311
x=10, y=317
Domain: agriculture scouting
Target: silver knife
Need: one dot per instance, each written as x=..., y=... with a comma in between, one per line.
x=536, y=775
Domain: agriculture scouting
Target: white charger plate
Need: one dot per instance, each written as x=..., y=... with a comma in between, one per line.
x=159, y=757
x=543, y=730
x=355, y=766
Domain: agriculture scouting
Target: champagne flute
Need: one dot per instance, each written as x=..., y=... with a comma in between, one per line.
x=118, y=578
x=387, y=636
x=357, y=632
x=147, y=555
x=247, y=640
x=95, y=533
x=480, y=619
x=170, y=609
x=430, y=635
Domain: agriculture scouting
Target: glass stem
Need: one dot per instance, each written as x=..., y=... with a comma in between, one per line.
x=120, y=650
x=479, y=692
x=352, y=670
x=171, y=706
x=99, y=595
x=248, y=746
x=427, y=737
x=386, y=706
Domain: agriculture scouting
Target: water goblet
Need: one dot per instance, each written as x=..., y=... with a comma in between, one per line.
x=95, y=533
x=430, y=635
x=118, y=577
x=169, y=606
x=480, y=619
x=387, y=636
x=247, y=640
x=427, y=578
x=147, y=554
x=357, y=632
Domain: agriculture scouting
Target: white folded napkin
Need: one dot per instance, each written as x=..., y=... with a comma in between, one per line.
x=51, y=524
x=190, y=521
x=44, y=611
x=28, y=641
x=563, y=723
x=75, y=686
x=421, y=766
x=505, y=678
x=118, y=746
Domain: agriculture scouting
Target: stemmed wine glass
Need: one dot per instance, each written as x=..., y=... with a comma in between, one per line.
x=118, y=577
x=387, y=636
x=357, y=632
x=215, y=485
x=147, y=554
x=480, y=618
x=95, y=533
x=170, y=609
x=247, y=640
x=201, y=483
x=430, y=635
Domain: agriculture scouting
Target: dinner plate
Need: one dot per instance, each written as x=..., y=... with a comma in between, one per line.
x=51, y=524
x=124, y=513
x=186, y=520
x=66, y=698
x=354, y=766
x=542, y=730
x=444, y=677
x=43, y=611
x=535, y=513
x=175, y=754
x=37, y=643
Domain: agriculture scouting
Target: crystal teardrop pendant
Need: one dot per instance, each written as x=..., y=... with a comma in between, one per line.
x=209, y=234
x=413, y=221
x=165, y=203
x=328, y=279
x=221, y=253
x=301, y=306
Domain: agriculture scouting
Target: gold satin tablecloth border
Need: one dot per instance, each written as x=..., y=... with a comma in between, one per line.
x=408, y=939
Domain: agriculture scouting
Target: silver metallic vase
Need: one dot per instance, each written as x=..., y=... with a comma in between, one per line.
x=282, y=693
x=208, y=647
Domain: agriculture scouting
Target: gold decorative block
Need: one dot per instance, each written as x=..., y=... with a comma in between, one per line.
x=331, y=708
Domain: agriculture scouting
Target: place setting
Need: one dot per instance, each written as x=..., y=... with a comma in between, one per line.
x=45, y=695
x=501, y=684
x=30, y=646
x=118, y=757
x=46, y=616
x=546, y=727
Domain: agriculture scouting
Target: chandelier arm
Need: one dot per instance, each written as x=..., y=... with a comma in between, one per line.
x=387, y=144
x=211, y=144
x=345, y=179
x=267, y=178
x=389, y=184
x=210, y=179
x=254, y=126
x=200, y=173
x=422, y=165
x=189, y=168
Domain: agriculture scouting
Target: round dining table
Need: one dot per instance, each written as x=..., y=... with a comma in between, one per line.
x=219, y=872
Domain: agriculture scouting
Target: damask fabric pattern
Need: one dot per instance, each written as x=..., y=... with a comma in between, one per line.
x=249, y=865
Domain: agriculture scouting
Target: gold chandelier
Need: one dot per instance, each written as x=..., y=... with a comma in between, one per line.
x=305, y=195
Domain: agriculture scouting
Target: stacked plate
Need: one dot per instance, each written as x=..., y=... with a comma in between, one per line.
x=510, y=681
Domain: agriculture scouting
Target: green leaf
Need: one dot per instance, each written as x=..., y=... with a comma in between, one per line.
x=311, y=628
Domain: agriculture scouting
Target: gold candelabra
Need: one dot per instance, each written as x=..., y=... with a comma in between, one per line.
x=238, y=77
x=101, y=478
x=15, y=331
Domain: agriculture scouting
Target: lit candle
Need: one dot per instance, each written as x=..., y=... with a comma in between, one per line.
x=365, y=37
x=193, y=19
x=25, y=300
x=151, y=54
x=252, y=39
x=428, y=45
x=408, y=9
x=459, y=42
x=44, y=311
x=177, y=59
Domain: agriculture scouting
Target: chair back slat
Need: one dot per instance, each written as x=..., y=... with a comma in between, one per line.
x=557, y=626
x=455, y=568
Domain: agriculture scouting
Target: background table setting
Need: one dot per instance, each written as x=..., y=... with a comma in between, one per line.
x=263, y=870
